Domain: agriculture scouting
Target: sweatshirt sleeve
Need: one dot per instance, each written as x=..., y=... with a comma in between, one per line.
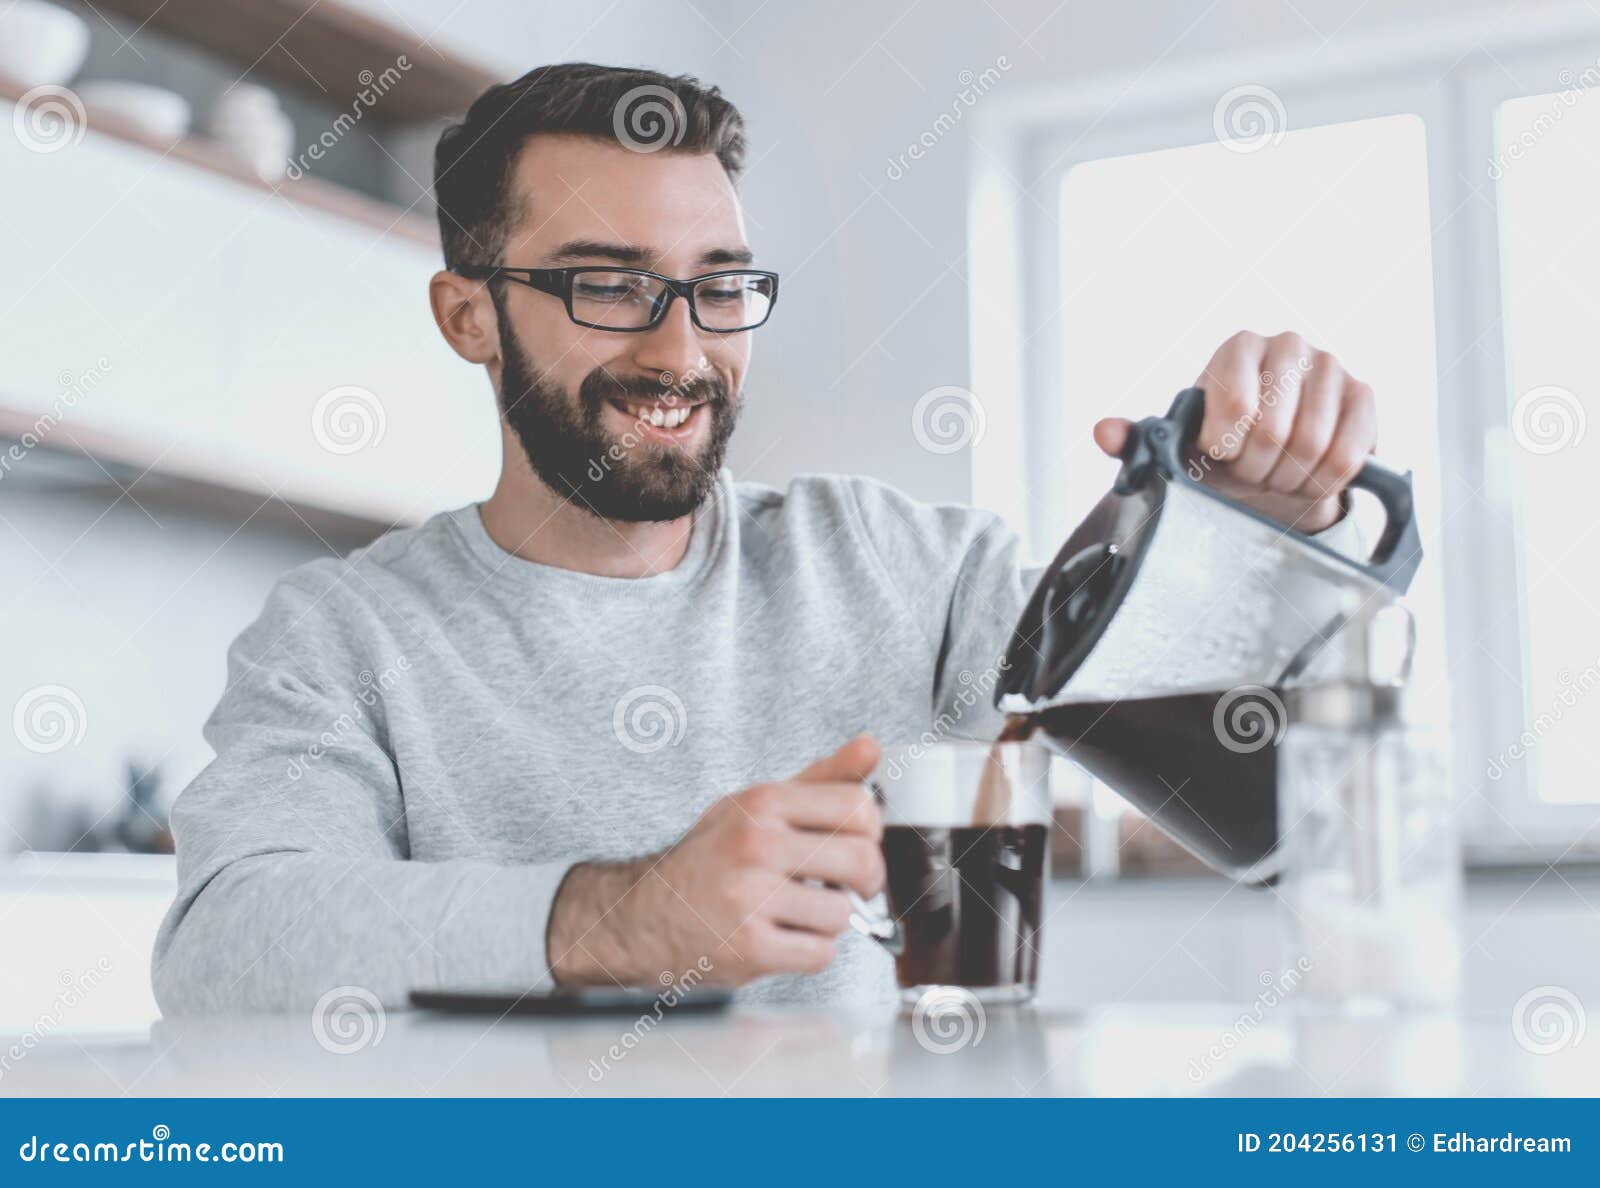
x=294, y=875
x=991, y=588
x=957, y=571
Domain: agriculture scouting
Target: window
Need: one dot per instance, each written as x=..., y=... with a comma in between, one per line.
x=1165, y=254
x=1423, y=210
x=1162, y=255
x=1548, y=172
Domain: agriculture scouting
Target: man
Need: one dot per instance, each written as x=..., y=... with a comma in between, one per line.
x=611, y=724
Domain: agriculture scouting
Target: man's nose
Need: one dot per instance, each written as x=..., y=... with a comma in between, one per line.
x=672, y=346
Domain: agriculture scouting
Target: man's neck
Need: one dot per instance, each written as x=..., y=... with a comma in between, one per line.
x=529, y=520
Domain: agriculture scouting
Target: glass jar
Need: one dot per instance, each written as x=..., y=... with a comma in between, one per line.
x=1372, y=882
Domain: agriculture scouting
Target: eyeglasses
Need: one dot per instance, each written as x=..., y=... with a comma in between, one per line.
x=630, y=300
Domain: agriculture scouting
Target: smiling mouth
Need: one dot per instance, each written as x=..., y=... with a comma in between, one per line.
x=673, y=420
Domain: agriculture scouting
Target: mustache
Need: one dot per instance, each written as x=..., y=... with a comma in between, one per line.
x=601, y=386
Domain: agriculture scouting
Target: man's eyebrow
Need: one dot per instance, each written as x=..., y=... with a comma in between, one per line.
x=717, y=257
x=576, y=250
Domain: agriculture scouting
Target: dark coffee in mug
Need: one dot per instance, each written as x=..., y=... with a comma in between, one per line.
x=967, y=900
x=965, y=847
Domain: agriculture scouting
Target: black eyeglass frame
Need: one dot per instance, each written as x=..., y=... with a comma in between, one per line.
x=558, y=283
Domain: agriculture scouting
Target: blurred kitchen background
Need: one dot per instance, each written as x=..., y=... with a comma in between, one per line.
x=215, y=234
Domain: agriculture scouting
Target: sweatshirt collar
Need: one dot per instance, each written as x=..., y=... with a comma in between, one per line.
x=707, y=527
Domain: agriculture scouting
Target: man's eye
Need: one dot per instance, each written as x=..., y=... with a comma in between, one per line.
x=724, y=296
x=593, y=292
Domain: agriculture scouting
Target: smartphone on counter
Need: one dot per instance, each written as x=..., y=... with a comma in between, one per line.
x=595, y=1000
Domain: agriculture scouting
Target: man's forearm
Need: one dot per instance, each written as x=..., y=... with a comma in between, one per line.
x=274, y=932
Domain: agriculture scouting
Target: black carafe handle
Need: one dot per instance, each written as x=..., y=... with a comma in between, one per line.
x=1163, y=445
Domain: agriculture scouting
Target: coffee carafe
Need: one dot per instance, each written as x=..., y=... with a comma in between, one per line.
x=1156, y=646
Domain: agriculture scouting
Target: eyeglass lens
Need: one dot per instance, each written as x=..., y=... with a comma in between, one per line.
x=628, y=301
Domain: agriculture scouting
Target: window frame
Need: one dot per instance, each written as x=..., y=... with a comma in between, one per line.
x=1525, y=71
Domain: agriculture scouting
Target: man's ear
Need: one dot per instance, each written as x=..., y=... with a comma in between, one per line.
x=465, y=315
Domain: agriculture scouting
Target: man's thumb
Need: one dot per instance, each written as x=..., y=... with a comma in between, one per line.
x=853, y=761
x=1111, y=434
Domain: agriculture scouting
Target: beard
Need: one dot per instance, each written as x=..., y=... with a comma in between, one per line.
x=617, y=477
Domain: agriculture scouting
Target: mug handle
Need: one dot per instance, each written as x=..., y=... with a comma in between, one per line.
x=866, y=919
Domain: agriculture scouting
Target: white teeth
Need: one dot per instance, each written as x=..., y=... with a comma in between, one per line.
x=665, y=418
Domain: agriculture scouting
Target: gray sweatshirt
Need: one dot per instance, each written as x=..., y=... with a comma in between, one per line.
x=417, y=742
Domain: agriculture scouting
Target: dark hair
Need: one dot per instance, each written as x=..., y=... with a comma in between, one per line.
x=640, y=109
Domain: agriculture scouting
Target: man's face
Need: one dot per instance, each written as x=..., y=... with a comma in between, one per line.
x=581, y=401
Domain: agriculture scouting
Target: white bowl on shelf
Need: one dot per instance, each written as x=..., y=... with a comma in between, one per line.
x=155, y=111
x=41, y=44
x=250, y=125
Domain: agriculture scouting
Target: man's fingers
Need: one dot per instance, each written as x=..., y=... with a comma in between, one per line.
x=827, y=808
x=853, y=761
x=847, y=860
x=1315, y=421
x=1232, y=385
x=1278, y=385
x=1353, y=440
x=794, y=950
x=816, y=909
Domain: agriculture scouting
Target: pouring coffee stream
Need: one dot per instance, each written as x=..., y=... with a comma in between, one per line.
x=1158, y=646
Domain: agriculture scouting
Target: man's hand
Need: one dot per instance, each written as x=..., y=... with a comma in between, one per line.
x=732, y=893
x=1285, y=428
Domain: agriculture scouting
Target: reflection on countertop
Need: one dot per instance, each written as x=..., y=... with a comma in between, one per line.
x=1164, y=1050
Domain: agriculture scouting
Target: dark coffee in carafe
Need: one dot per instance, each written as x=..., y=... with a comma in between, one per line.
x=1202, y=766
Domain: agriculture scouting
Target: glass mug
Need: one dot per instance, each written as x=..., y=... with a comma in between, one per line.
x=966, y=848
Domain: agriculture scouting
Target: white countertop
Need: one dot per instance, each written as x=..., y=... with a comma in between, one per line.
x=1140, y=982
x=1124, y=1051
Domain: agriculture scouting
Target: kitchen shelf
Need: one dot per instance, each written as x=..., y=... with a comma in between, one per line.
x=320, y=49
x=112, y=464
x=308, y=291
x=45, y=870
x=308, y=192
